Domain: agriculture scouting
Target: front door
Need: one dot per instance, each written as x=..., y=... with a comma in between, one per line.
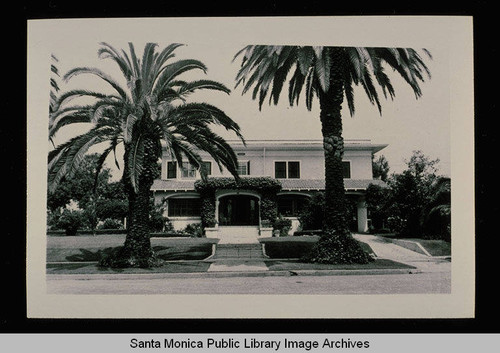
x=238, y=210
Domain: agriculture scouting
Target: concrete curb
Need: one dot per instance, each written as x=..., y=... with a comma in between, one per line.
x=118, y=276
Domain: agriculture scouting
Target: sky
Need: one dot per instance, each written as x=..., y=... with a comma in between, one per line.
x=406, y=124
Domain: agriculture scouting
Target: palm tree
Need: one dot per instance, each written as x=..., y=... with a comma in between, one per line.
x=149, y=110
x=329, y=74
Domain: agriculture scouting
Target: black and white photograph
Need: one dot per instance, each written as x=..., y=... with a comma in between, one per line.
x=287, y=167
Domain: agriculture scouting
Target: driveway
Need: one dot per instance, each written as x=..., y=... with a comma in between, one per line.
x=385, y=249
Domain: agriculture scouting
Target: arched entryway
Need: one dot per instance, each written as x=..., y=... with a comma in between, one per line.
x=238, y=210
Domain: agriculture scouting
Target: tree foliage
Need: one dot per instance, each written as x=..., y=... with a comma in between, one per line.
x=266, y=68
x=380, y=168
x=82, y=187
x=416, y=203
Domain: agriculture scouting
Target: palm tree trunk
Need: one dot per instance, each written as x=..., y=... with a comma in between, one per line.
x=331, y=127
x=336, y=245
x=137, y=243
x=137, y=251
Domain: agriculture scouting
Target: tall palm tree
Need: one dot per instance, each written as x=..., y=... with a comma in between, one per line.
x=149, y=110
x=329, y=74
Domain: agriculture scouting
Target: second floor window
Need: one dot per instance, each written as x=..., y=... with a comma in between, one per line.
x=346, y=169
x=244, y=168
x=283, y=170
x=171, y=170
x=207, y=167
x=188, y=170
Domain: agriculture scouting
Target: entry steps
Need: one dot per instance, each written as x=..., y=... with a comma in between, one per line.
x=239, y=251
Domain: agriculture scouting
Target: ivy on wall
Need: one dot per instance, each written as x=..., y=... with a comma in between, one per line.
x=266, y=187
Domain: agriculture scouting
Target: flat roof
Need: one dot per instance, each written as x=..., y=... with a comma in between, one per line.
x=306, y=144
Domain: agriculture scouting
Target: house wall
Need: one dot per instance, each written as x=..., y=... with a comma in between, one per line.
x=179, y=223
x=311, y=162
x=262, y=156
x=361, y=163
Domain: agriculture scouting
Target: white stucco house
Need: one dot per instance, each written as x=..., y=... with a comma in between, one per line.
x=297, y=165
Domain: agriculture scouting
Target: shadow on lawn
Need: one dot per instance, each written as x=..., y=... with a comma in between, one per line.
x=87, y=255
x=167, y=253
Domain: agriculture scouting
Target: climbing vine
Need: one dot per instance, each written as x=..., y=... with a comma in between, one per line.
x=266, y=187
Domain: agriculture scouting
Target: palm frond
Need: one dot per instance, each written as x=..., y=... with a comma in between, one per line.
x=171, y=71
x=128, y=127
x=56, y=124
x=322, y=69
x=280, y=78
x=136, y=161
x=93, y=71
x=309, y=90
x=190, y=87
x=295, y=87
x=77, y=93
x=64, y=160
x=349, y=92
x=107, y=51
x=305, y=59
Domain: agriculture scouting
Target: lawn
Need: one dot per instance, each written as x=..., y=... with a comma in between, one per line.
x=435, y=247
x=85, y=268
x=93, y=248
x=379, y=264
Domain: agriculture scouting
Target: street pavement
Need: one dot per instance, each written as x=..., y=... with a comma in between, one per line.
x=420, y=283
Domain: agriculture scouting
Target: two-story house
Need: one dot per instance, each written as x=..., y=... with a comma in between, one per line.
x=297, y=165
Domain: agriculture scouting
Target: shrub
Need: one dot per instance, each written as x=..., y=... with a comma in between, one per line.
x=110, y=223
x=288, y=250
x=283, y=225
x=157, y=221
x=268, y=207
x=311, y=216
x=207, y=209
x=70, y=221
x=194, y=229
x=338, y=248
x=397, y=224
x=52, y=219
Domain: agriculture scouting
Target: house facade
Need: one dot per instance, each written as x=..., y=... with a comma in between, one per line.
x=294, y=169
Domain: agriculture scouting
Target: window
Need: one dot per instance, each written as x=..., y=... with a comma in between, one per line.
x=171, y=170
x=280, y=170
x=346, y=169
x=283, y=170
x=244, y=168
x=207, y=167
x=291, y=205
x=188, y=170
x=183, y=207
x=294, y=170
